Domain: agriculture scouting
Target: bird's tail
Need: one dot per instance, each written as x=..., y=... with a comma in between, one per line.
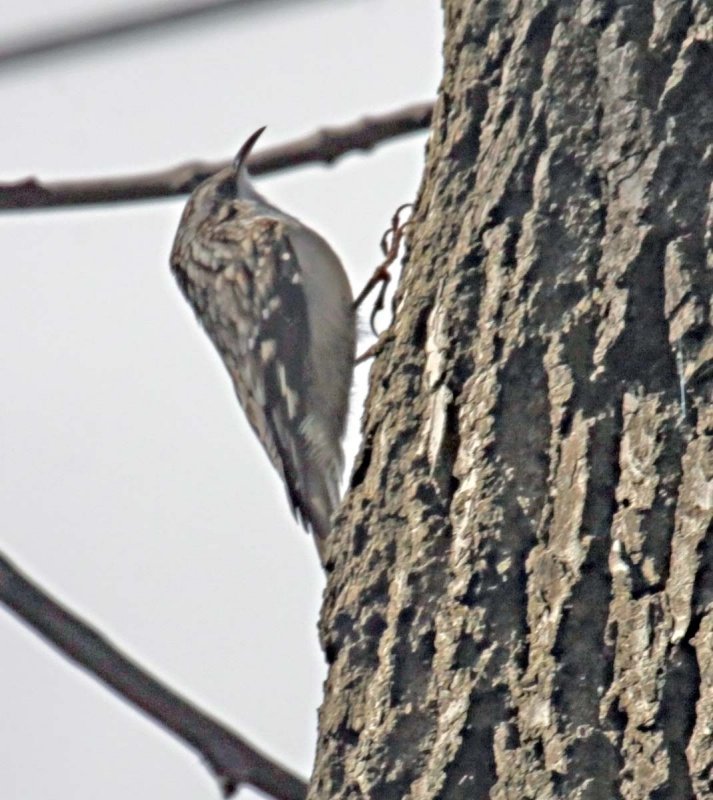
x=318, y=499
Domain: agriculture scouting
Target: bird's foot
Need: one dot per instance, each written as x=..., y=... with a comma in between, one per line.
x=374, y=349
x=390, y=246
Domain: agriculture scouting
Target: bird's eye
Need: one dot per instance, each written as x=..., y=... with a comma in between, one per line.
x=226, y=188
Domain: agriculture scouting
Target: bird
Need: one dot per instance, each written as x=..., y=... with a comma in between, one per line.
x=276, y=303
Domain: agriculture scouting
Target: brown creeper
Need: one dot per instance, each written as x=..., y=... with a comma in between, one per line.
x=275, y=301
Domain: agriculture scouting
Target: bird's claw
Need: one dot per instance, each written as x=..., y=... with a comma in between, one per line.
x=390, y=245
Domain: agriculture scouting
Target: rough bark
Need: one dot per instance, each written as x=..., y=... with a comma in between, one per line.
x=519, y=603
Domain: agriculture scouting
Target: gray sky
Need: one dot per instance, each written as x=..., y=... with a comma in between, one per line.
x=130, y=484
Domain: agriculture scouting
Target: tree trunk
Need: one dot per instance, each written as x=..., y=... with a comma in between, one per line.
x=519, y=602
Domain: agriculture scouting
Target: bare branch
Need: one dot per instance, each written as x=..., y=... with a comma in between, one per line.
x=231, y=759
x=114, y=27
x=325, y=146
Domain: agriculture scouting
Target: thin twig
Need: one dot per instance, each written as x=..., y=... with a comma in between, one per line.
x=111, y=27
x=231, y=759
x=325, y=146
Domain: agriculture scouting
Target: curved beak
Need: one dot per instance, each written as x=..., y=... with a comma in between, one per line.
x=242, y=155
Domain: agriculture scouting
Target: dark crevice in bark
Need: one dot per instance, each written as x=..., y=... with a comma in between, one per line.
x=577, y=353
x=690, y=346
x=420, y=328
x=350, y=739
x=658, y=522
x=392, y=789
x=361, y=466
x=616, y=717
x=364, y=654
x=662, y=54
x=582, y=676
x=502, y=592
x=468, y=652
x=471, y=774
x=494, y=66
x=359, y=539
x=467, y=289
x=411, y=660
x=346, y=630
x=522, y=428
x=682, y=179
x=443, y=469
x=703, y=586
x=374, y=626
x=376, y=592
x=580, y=756
x=568, y=246
x=537, y=45
x=652, y=67
x=601, y=14
x=516, y=199
x=428, y=495
x=391, y=478
x=403, y=747
x=411, y=657
x=482, y=575
x=522, y=431
x=469, y=598
x=691, y=250
x=460, y=368
x=676, y=718
x=466, y=149
x=642, y=352
x=342, y=631
x=634, y=22
x=336, y=770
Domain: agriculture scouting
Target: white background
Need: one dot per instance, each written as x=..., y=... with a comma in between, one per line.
x=130, y=484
